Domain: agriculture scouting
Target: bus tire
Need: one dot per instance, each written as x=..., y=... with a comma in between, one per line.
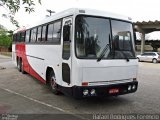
x=22, y=68
x=52, y=83
x=19, y=65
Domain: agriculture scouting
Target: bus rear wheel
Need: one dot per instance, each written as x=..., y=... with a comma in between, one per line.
x=22, y=68
x=19, y=65
x=52, y=83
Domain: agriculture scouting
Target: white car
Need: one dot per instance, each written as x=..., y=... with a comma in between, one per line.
x=149, y=56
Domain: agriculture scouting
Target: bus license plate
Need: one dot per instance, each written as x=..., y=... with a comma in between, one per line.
x=113, y=91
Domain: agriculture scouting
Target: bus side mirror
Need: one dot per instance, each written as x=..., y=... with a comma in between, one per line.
x=66, y=33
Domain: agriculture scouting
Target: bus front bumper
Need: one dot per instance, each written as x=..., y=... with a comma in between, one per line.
x=105, y=90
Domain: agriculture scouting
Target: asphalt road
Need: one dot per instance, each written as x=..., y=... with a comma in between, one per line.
x=23, y=95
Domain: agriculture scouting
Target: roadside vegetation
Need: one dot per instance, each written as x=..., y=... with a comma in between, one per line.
x=5, y=41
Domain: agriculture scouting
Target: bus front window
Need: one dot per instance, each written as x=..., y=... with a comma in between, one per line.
x=91, y=36
x=122, y=43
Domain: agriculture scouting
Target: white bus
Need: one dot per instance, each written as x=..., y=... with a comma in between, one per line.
x=80, y=52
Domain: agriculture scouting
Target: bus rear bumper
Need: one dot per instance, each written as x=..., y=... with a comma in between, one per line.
x=105, y=90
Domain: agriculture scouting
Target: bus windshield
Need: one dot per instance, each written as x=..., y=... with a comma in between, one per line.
x=93, y=34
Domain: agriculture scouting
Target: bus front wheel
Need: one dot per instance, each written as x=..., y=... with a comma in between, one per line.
x=52, y=83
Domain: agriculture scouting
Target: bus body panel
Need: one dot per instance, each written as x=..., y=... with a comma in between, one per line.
x=102, y=76
x=49, y=56
x=105, y=70
x=21, y=54
x=40, y=60
x=109, y=74
x=14, y=53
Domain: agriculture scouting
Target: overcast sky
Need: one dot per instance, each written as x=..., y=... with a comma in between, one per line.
x=138, y=10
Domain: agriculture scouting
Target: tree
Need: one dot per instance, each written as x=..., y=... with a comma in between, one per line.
x=14, y=5
x=2, y=29
x=5, y=37
x=5, y=41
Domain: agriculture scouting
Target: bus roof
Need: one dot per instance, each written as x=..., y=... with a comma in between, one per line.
x=77, y=11
x=19, y=30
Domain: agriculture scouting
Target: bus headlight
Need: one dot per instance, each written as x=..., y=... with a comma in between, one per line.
x=129, y=87
x=133, y=87
x=85, y=92
x=93, y=92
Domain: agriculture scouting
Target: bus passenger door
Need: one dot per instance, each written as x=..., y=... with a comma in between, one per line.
x=66, y=54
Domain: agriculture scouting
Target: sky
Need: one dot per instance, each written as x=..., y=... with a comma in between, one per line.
x=138, y=10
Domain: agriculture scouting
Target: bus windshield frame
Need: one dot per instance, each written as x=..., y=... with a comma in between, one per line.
x=93, y=33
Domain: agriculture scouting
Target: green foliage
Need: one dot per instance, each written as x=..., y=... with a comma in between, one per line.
x=5, y=41
x=2, y=30
x=5, y=37
x=14, y=5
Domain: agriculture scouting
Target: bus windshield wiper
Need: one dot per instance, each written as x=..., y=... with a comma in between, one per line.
x=103, y=53
x=125, y=56
x=106, y=48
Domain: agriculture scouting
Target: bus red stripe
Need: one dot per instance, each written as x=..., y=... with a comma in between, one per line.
x=21, y=52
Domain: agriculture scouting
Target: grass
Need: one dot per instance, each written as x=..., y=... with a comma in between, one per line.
x=9, y=54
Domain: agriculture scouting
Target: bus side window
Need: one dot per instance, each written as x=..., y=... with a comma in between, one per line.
x=54, y=32
x=22, y=37
x=66, y=42
x=50, y=33
x=57, y=32
x=27, y=37
x=18, y=37
x=14, y=37
x=43, y=33
x=33, y=35
x=39, y=33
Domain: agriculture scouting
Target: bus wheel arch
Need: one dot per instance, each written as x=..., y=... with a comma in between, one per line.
x=51, y=80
